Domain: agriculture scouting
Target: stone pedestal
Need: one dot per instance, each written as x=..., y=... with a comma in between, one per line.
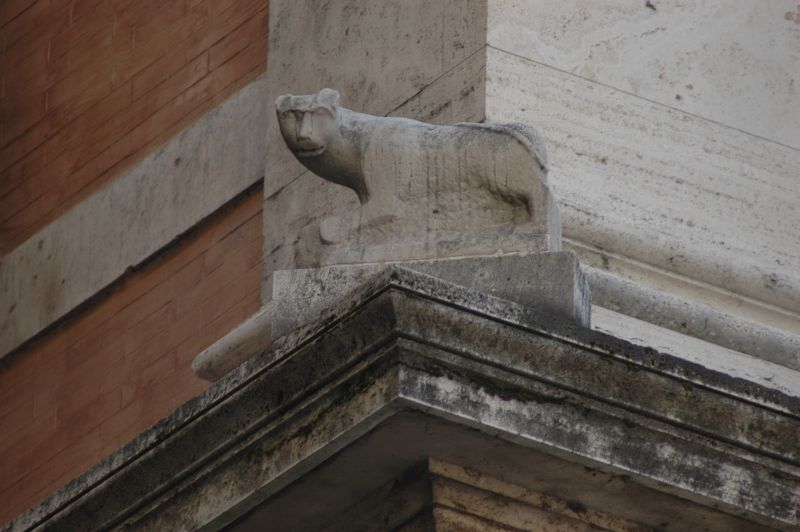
x=551, y=283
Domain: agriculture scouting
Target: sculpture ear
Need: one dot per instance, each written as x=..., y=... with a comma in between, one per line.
x=329, y=98
x=282, y=102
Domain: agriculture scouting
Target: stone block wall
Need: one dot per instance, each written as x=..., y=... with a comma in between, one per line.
x=90, y=87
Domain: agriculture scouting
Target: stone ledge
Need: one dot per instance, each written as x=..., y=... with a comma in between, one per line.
x=694, y=319
x=464, y=371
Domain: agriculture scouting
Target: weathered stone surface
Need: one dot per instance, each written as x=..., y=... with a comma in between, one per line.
x=693, y=319
x=430, y=55
x=424, y=191
x=707, y=354
x=134, y=216
x=449, y=497
x=733, y=62
x=412, y=367
x=661, y=187
x=250, y=338
x=551, y=284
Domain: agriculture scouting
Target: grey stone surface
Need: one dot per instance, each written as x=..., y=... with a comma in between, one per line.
x=444, y=496
x=456, y=95
x=734, y=62
x=424, y=191
x=248, y=339
x=410, y=367
x=694, y=319
x=643, y=182
x=551, y=284
x=693, y=350
x=134, y=216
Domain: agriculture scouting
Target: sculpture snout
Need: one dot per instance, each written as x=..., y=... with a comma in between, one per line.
x=305, y=128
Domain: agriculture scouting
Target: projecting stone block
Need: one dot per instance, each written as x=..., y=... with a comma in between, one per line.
x=552, y=284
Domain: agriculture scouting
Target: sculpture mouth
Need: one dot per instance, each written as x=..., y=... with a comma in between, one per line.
x=310, y=151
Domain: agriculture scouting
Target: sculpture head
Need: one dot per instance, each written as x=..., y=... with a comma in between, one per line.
x=308, y=122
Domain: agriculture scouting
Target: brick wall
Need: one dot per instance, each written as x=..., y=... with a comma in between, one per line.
x=97, y=380
x=88, y=87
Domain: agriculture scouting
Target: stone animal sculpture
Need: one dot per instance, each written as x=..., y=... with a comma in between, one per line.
x=425, y=190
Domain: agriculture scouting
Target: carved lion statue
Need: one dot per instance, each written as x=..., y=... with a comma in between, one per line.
x=421, y=186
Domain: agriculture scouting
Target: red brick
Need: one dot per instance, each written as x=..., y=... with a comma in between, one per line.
x=10, y=9
x=82, y=28
x=21, y=111
x=148, y=378
x=33, y=171
x=80, y=134
x=80, y=9
x=22, y=66
x=228, y=296
x=172, y=74
x=249, y=32
x=154, y=37
x=249, y=230
x=22, y=218
x=92, y=76
x=84, y=145
x=26, y=22
x=130, y=344
x=49, y=137
x=236, y=265
x=142, y=349
x=103, y=51
x=21, y=435
x=77, y=417
x=38, y=480
x=15, y=416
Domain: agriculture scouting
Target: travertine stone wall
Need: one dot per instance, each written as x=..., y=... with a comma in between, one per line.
x=734, y=62
x=377, y=55
x=651, y=183
x=673, y=133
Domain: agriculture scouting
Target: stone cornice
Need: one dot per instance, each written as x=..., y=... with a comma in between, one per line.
x=407, y=344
